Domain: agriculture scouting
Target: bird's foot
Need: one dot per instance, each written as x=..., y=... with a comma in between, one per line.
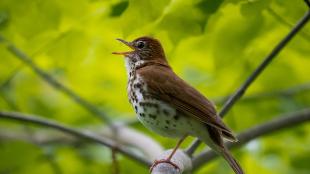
x=156, y=162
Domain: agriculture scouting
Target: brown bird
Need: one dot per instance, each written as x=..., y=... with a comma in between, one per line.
x=168, y=105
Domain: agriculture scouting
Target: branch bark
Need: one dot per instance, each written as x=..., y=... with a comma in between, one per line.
x=86, y=135
x=280, y=123
x=180, y=158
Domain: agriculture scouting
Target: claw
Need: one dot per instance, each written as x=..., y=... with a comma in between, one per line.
x=156, y=162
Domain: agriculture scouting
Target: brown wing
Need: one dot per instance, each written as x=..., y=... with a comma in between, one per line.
x=164, y=84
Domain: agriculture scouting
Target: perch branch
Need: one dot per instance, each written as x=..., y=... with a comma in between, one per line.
x=86, y=135
x=239, y=93
x=280, y=123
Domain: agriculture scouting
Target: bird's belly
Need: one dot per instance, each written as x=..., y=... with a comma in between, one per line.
x=163, y=119
x=159, y=116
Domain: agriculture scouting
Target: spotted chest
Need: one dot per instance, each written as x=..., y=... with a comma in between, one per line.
x=154, y=114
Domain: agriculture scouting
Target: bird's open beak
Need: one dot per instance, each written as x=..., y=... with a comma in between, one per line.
x=129, y=44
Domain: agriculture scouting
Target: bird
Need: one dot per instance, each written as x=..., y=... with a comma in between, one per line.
x=168, y=105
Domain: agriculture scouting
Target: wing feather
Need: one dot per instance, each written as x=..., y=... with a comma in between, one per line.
x=165, y=85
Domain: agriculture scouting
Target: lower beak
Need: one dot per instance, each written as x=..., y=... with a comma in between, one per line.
x=129, y=44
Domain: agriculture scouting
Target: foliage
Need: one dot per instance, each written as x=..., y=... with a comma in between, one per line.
x=214, y=45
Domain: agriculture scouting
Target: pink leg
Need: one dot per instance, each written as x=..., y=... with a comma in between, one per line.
x=168, y=160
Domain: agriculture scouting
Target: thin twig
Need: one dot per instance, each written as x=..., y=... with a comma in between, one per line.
x=115, y=164
x=50, y=158
x=239, y=93
x=307, y=2
x=54, y=83
x=46, y=155
x=291, y=91
x=279, y=18
x=87, y=135
x=128, y=137
x=5, y=86
x=57, y=85
x=280, y=123
x=9, y=79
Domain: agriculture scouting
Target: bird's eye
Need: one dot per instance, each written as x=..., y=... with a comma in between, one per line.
x=140, y=44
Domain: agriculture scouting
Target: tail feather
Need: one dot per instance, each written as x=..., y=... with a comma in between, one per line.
x=232, y=162
x=215, y=141
x=229, y=136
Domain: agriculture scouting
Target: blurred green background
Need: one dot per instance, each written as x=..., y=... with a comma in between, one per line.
x=212, y=44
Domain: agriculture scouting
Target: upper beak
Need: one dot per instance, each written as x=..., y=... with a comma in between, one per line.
x=129, y=44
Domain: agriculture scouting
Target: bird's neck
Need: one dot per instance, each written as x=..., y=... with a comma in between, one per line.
x=133, y=66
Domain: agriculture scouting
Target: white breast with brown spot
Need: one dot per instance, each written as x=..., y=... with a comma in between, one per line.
x=158, y=115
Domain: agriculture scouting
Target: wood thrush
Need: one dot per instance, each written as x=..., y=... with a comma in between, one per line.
x=168, y=105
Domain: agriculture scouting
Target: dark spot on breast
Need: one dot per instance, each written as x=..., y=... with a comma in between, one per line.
x=134, y=97
x=176, y=117
x=149, y=104
x=152, y=116
x=133, y=59
x=155, y=105
x=136, y=108
x=167, y=121
x=142, y=114
x=138, y=85
x=166, y=112
x=166, y=127
x=145, y=109
x=146, y=96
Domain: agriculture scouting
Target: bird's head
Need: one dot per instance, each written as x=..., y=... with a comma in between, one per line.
x=143, y=48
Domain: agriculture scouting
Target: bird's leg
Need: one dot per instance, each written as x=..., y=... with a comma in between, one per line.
x=168, y=160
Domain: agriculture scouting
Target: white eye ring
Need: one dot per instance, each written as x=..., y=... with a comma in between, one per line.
x=140, y=44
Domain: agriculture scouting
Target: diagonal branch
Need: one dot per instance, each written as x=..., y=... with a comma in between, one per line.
x=55, y=83
x=239, y=93
x=307, y=2
x=287, y=92
x=280, y=123
x=279, y=18
x=86, y=135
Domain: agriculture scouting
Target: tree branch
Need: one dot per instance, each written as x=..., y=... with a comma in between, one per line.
x=127, y=137
x=307, y=2
x=288, y=92
x=181, y=159
x=86, y=135
x=239, y=93
x=286, y=23
x=280, y=123
x=53, y=82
